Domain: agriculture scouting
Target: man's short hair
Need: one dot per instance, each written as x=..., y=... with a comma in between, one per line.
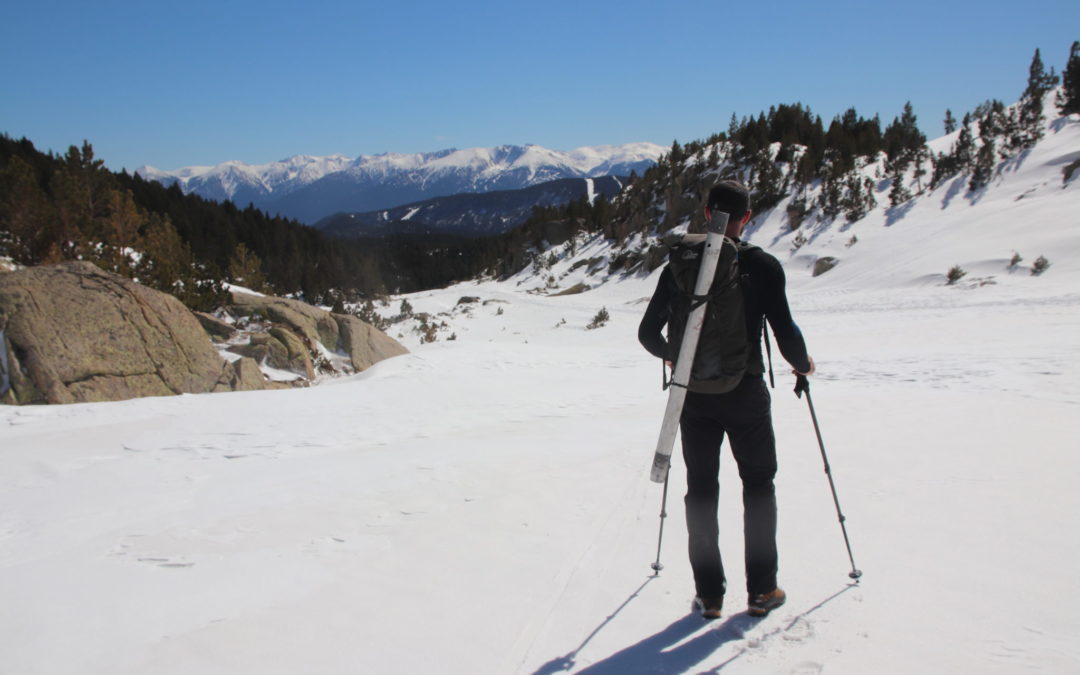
x=731, y=197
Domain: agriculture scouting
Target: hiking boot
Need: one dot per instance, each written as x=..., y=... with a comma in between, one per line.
x=761, y=604
x=709, y=608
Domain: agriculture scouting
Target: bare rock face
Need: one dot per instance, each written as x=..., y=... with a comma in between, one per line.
x=300, y=327
x=365, y=344
x=72, y=333
x=243, y=375
x=311, y=323
x=298, y=357
x=218, y=330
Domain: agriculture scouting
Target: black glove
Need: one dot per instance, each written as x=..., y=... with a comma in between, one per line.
x=802, y=383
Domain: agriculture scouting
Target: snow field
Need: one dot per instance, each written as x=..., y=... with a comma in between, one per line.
x=483, y=505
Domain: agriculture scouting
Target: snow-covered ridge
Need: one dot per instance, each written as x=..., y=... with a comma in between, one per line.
x=310, y=188
x=293, y=172
x=297, y=168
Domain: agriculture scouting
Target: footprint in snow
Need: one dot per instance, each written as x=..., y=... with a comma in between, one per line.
x=799, y=630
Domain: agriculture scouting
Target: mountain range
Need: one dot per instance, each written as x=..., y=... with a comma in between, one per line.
x=310, y=188
x=471, y=214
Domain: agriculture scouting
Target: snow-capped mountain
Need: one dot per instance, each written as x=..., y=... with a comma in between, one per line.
x=309, y=188
x=243, y=183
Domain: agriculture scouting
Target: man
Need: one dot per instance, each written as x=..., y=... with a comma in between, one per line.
x=743, y=414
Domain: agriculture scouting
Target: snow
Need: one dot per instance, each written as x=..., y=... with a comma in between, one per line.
x=236, y=288
x=273, y=177
x=294, y=172
x=483, y=505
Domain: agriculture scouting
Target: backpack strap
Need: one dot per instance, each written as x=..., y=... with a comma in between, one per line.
x=745, y=281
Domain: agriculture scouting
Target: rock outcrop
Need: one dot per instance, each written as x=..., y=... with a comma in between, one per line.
x=296, y=330
x=313, y=324
x=73, y=333
x=365, y=344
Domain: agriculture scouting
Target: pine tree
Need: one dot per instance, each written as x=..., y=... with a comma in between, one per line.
x=1069, y=98
x=854, y=202
x=899, y=193
x=166, y=259
x=677, y=156
x=118, y=233
x=950, y=122
x=1030, y=119
x=80, y=188
x=986, y=158
x=944, y=168
x=964, y=150
x=245, y=269
x=766, y=188
x=832, y=191
x=902, y=141
x=713, y=161
x=29, y=227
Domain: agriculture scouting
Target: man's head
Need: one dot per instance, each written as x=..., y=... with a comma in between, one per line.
x=733, y=198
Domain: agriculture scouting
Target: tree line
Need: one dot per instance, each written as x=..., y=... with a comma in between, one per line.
x=69, y=207
x=55, y=208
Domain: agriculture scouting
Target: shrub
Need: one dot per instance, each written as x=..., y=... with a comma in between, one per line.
x=600, y=319
x=955, y=274
x=367, y=314
x=1039, y=266
x=1015, y=260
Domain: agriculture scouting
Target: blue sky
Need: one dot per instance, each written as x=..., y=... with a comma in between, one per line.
x=178, y=84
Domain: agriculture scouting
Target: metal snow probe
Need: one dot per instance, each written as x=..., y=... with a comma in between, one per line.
x=802, y=384
x=714, y=242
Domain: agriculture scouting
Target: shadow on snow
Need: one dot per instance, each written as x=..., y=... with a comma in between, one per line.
x=657, y=653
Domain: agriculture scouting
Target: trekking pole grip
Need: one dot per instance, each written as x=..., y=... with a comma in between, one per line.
x=802, y=383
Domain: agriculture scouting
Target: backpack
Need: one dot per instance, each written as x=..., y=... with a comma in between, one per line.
x=723, y=352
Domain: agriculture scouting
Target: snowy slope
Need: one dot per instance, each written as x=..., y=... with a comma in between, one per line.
x=1027, y=209
x=482, y=505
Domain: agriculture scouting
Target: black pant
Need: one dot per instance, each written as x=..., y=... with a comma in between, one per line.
x=744, y=415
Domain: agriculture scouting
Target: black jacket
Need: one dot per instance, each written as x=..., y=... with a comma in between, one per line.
x=765, y=297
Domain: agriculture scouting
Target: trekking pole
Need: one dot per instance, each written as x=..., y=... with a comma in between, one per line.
x=802, y=384
x=656, y=566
